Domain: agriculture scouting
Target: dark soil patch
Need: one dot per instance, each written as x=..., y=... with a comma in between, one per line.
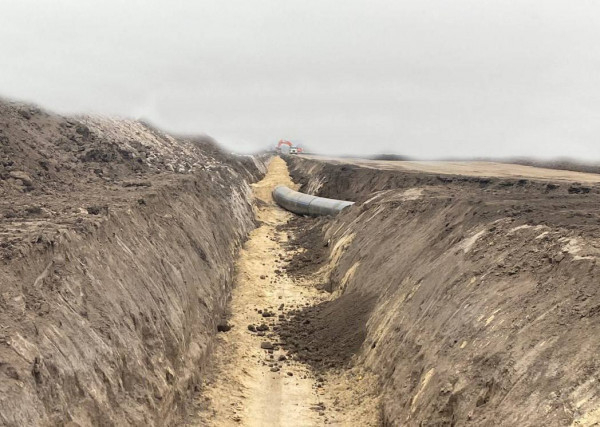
x=328, y=334
x=308, y=245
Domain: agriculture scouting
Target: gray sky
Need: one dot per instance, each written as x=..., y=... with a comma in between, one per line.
x=425, y=78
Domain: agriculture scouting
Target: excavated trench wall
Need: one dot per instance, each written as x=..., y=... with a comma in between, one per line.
x=117, y=321
x=486, y=299
x=107, y=314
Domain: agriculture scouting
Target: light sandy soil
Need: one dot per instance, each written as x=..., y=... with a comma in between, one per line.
x=479, y=169
x=250, y=385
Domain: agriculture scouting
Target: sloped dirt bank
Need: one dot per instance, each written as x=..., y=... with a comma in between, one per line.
x=117, y=245
x=486, y=304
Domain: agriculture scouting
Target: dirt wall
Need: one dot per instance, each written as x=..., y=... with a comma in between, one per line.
x=118, y=244
x=486, y=297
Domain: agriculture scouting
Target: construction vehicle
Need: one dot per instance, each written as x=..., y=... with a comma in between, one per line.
x=286, y=147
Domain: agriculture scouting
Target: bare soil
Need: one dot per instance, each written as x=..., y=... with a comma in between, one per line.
x=485, y=291
x=259, y=378
x=529, y=170
x=117, y=245
x=149, y=279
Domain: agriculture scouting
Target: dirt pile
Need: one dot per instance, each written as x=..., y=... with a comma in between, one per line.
x=309, y=331
x=486, y=305
x=117, y=245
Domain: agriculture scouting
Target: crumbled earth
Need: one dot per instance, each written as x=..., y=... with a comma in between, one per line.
x=328, y=334
x=308, y=248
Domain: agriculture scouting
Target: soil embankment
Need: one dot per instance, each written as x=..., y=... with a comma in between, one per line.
x=473, y=299
x=117, y=246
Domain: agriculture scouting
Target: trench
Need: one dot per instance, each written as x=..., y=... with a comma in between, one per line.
x=456, y=293
x=255, y=386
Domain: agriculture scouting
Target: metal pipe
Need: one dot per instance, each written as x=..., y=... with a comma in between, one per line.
x=305, y=204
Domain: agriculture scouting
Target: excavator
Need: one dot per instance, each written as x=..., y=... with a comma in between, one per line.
x=286, y=147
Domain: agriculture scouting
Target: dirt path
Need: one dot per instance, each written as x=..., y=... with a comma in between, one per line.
x=256, y=386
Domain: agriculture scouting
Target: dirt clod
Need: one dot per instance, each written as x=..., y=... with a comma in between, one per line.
x=224, y=327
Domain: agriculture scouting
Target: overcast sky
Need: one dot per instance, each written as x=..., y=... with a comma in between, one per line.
x=425, y=78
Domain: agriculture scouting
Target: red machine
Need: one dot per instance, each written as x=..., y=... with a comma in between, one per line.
x=290, y=149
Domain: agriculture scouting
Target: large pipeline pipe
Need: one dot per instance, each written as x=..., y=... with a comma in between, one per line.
x=305, y=204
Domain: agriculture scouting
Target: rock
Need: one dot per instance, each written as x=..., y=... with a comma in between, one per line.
x=290, y=374
x=274, y=369
x=252, y=328
x=263, y=277
x=266, y=345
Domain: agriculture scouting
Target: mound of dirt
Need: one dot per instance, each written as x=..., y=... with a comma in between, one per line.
x=117, y=245
x=328, y=334
x=486, y=297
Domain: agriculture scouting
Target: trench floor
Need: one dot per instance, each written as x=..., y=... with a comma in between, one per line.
x=251, y=386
